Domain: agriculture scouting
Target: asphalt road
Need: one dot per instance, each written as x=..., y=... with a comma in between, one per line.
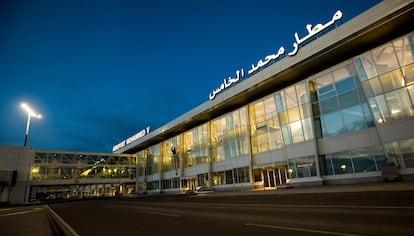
x=24, y=220
x=360, y=213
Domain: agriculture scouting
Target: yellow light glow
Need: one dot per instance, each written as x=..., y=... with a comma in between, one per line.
x=35, y=170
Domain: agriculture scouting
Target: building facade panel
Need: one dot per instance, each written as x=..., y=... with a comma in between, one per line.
x=336, y=124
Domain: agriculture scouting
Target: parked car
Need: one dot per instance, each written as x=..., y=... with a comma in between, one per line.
x=200, y=190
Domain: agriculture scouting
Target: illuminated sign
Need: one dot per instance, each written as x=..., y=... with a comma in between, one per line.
x=131, y=139
x=312, y=31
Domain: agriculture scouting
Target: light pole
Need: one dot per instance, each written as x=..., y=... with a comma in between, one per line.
x=30, y=113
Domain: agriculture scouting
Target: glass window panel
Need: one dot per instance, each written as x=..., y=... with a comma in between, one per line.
x=297, y=132
x=343, y=73
x=329, y=105
x=327, y=95
x=329, y=165
x=362, y=95
x=348, y=99
x=302, y=93
x=392, y=81
x=342, y=163
x=243, y=116
x=408, y=72
x=270, y=107
x=408, y=160
x=411, y=93
x=404, y=49
x=236, y=118
x=283, y=118
x=368, y=117
x=263, y=141
x=313, y=92
x=307, y=128
x=318, y=128
x=327, y=88
x=407, y=152
x=332, y=124
x=259, y=111
x=365, y=66
x=312, y=165
x=292, y=169
x=229, y=177
x=280, y=101
x=286, y=135
x=294, y=114
x=345, y=85
x=363, y=160
x=366, y=86
x=398, y=103
x=257, y=173
x=273, y=122
x=375, y=85
x=393, y=154
x=353, y=118
x=290, y=97
x=380, y=157
x=385, y=58
x=305, y=110
x=325, y=83
x=275, y=139
x=344, y=79
x=379, y=109
x=302, y=166
x=315, y=109
x=357, y=81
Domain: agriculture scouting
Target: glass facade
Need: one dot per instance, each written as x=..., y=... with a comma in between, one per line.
x=53, y=166
x=339, y=104
x=75, y=175
x=229, y=135
x=353, y=161
x=291, y=135
x=368, y=90
x=387, y=77
x=196, y=146
x=281, y=119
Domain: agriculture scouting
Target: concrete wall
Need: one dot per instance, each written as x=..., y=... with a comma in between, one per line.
x=18, y=159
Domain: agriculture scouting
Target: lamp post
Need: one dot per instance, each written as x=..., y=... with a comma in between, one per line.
x=30, y=113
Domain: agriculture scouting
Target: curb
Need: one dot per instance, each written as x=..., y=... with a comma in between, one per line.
x=57, y=224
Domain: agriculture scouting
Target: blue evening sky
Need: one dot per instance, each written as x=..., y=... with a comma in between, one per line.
x=99, y=71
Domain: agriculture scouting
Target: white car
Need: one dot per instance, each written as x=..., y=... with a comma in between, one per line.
x=203, y=190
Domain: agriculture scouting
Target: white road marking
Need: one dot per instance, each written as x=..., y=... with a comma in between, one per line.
x=299, y=229
x=143, y=210
x=159, y=213
x=23, y=212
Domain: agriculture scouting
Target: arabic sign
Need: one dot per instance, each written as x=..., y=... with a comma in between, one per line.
x=131, y=139
x=312, y=31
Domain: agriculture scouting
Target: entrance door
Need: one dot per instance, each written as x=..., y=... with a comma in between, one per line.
x=281, y=176
x=274, y=176
x=269, y=178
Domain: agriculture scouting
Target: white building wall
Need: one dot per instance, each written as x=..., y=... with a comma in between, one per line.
x=20, y=160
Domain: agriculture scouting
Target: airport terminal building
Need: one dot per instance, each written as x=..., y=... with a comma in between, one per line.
x=335, y=106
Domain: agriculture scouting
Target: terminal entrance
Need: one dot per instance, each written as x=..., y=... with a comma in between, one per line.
x=274, y=176
x=188, y=183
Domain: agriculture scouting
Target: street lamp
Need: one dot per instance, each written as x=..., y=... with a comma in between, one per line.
x=30, y=113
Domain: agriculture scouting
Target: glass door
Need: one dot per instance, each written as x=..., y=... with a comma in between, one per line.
x=269, y=178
